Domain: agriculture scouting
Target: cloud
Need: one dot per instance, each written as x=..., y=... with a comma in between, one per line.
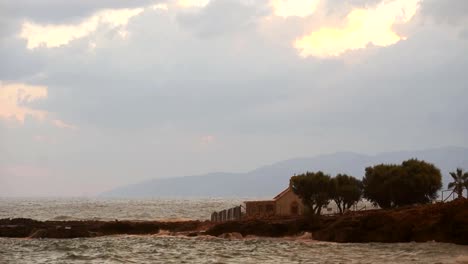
x=192, y=3
x=63, y=12
x=221, y=17
x=447, y=11
x=207, y=140
x=61, y=124
x=363, y=26
x=227, y=69
x=14, y=97
x=56, y=35
x=13, y=100
x=290, y=8
x=160, y=6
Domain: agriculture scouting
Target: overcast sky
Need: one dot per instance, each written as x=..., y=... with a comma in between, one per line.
x=96, y=94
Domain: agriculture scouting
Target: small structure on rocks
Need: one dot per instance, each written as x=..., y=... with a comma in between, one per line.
x=230, y=214
x=287, y=203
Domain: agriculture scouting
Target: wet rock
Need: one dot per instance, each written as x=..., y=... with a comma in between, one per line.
x=233, y=235
x=38, y=233
x=305, y=235
x=441, y=222
x=264, y=228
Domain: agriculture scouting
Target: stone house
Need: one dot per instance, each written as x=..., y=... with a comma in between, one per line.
x=287, y=203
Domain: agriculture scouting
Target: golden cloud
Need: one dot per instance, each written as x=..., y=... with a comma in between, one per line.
x=53, y=35
x=362, y=27
x=13, y=98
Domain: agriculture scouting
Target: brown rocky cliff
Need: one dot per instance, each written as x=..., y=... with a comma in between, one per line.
x=441, y=222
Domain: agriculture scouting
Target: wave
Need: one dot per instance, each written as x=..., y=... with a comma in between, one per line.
x=462, y=259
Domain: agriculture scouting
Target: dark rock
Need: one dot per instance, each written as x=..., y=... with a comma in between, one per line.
x=441, y=222
x=38, y=233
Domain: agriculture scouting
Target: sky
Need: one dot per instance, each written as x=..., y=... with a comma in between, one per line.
x=98, y=94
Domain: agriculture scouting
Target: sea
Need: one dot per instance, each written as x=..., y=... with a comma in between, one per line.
x=178, y=249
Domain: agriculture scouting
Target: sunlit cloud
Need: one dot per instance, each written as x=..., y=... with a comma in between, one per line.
x=160, y=6
x=14, y=100
x=361, y=28
x=15, y=96
x=289, y=8
x=192, y=3
x=61, y=124
x=56, y=35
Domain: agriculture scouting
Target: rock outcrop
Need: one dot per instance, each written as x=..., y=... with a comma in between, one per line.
x=441, y=222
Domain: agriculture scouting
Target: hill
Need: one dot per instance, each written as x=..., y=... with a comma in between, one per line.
x=269, y=180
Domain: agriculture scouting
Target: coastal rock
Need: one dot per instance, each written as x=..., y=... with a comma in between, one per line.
x=38, y=233
x=233, y=235
x=440, y=222
x=265, y=227
x=305, y=236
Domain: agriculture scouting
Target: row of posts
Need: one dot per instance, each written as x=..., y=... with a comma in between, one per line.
x=230, y=214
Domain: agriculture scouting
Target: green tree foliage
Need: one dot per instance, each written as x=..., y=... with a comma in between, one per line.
x=412, y=182
x=345, y=191
x=460, y=182
x=313, y=189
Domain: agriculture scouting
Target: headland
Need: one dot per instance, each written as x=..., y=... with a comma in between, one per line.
x=440, y=222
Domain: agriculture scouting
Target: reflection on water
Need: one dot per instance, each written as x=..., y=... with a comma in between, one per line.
x=156, y=249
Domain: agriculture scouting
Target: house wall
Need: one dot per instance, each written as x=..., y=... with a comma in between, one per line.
x=283, y=204
x=260, y=208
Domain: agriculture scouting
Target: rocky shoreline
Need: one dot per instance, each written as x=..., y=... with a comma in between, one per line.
x=441, y=222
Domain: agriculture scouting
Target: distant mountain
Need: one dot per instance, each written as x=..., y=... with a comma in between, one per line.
x=269, y=180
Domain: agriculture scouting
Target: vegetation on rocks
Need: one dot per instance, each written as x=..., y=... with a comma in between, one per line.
x=412, y=182
x=460, y=182
x=316, y=190
x=345, y=191
x=313, y=189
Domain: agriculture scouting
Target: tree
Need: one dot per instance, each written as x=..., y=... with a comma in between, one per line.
x=412, y=182
x=423, y=181
x=313, y=189
x=345, y=191
x=377, y=183
x=460, y=182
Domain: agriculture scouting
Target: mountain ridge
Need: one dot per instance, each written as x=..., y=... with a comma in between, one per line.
x=268, y=180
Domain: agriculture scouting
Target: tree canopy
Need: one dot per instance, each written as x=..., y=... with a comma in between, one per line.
x=412, y=182
x=313, y=189
x=345, y=191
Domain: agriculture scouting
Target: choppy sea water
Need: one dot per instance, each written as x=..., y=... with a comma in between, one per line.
x=164, y=249
x=110, y=209
x=154, y=249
